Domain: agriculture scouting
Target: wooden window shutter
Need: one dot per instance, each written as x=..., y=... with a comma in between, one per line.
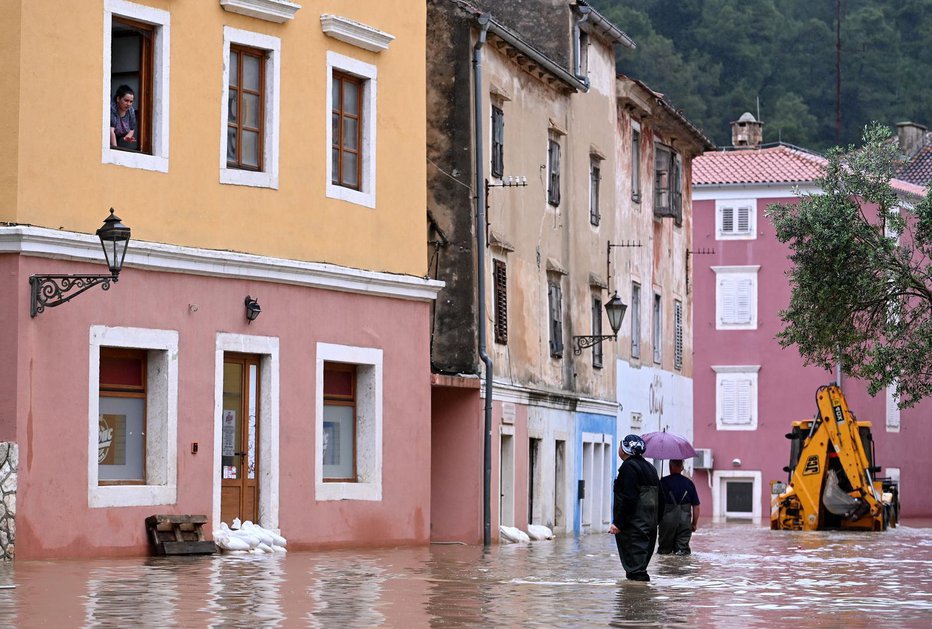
x=501, y=301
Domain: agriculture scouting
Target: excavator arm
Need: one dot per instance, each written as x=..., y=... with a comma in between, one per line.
x=830, y=474
x=842, y=431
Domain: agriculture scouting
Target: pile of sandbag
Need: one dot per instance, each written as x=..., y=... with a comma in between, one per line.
x=247, y=537
x=535, y=532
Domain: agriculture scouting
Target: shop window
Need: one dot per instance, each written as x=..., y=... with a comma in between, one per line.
x=348, y=424
x=339, y=446
x=133, y=417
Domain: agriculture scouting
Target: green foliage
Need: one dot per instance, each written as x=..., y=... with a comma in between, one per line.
x=861, y=274
x=715, y=58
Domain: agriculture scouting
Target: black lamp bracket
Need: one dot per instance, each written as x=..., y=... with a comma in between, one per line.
x=49, y=291
x=582, y=342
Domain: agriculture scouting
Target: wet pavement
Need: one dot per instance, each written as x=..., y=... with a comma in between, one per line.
x=740, y=575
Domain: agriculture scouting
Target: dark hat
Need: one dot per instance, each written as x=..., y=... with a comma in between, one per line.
x=632, y=444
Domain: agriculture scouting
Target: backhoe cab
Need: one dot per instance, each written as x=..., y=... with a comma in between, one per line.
x=831, y=482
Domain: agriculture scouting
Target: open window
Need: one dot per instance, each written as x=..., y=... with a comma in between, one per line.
x=135, y=111
x=668, y=184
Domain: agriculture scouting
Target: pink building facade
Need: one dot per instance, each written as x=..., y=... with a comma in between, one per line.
x=193, y=331
x=747, y=388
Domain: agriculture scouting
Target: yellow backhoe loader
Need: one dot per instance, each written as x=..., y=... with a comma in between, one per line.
x=831, y=482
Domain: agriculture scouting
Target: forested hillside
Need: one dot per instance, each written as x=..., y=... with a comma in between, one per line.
x=715, y=58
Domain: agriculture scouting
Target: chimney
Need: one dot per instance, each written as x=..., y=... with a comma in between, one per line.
x=911, y=137
x=746, y=132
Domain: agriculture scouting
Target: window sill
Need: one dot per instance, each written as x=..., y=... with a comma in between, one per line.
x=365, y=199
x=336, y=490
x=747, y=236
x=132, y=159
x=236, y=177
x=131, y=495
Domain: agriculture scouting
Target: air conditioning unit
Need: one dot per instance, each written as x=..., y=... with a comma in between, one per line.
x=703, y=459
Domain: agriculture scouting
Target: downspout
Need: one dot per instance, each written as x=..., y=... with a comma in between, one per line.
x=478, y=117
x=583, y=12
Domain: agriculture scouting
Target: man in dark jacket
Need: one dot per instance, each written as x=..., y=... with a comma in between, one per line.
x=637, y=509
x=681, y=511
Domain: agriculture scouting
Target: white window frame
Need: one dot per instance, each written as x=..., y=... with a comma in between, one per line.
x=158, y=160
x=728, y=281
x=657, y=326
x=268, y=176
x=366, y=196
x=267, y=348
x=161, y=424
x=595, y=200
x=733, y=376
x=719, y=478
x=636, y=320
x=736, y=206
x=892, y=420
x=368, y=485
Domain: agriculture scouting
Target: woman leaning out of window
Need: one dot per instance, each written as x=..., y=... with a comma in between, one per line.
x=123, y=119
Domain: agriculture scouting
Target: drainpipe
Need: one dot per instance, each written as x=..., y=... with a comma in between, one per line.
x=478, y=117
x=583, y=13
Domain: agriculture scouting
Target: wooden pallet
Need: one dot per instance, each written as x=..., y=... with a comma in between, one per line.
x=178, y=535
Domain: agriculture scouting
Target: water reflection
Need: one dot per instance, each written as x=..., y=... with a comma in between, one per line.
x=738, y=576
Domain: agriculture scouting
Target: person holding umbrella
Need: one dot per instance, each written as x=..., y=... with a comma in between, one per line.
x=681, y=511
x=637, y=509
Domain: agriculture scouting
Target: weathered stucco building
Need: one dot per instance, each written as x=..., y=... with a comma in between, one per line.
x=537, y=221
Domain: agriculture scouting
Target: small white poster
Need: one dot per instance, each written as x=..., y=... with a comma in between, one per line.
x=229, y=433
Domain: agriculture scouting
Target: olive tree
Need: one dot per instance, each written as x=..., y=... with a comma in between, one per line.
x=861, y=274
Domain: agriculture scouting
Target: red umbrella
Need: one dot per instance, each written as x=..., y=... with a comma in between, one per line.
x=666, y=445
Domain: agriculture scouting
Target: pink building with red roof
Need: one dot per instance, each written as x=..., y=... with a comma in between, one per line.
x=747, y=388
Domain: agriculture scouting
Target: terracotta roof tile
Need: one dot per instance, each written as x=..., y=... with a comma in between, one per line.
x=908, y=188
x=776, y=164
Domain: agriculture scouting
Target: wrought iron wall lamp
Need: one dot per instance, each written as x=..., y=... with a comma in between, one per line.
x=615, y=309
x=49, y=291
x=253, y=309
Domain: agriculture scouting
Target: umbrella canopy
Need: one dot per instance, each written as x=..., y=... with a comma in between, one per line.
x=666, y=445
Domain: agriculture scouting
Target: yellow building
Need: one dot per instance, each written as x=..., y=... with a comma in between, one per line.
x=265, y=153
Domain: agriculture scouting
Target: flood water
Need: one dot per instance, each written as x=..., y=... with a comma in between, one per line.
x=740, y=575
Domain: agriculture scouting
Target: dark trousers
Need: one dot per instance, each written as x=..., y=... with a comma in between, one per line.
x=635, y=548
x=676, y=529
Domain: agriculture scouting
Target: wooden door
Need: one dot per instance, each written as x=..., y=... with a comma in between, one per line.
x=239, y=444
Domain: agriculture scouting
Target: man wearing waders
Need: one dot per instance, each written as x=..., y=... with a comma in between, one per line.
x=681, y=511
x=636, y=510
